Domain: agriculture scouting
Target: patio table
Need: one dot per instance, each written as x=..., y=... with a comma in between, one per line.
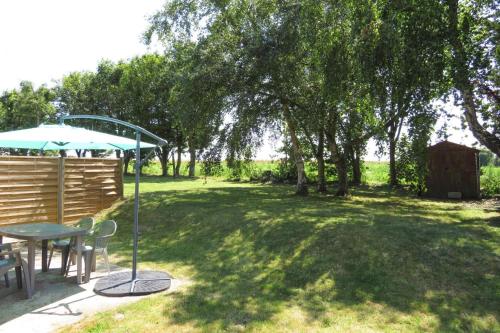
x=33, y=232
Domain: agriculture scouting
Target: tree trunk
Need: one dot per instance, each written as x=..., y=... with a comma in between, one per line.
x=178, y=164
x=487, y=139
x=164, y=152
x=321, y=163
x=302, y=188
x=192, y=161
x=342, y=176
x=118, y=153
x=341, y=166
x=462, y=82
x=393, y=176
x=173, y=164
x=126, y=160
x=339, y=159
x=143, y=162
x=356, y=167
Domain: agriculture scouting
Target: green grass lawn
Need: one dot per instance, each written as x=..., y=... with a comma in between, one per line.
x=259, y=259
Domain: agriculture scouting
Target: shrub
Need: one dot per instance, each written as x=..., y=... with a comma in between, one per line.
x=411, y=163
x=490, y=181
x=211, y=163
x=286, y=172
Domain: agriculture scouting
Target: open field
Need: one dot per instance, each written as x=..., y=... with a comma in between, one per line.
x=374, y=173
x=260, y=259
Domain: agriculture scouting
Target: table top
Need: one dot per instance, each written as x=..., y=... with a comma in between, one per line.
x=41, y=231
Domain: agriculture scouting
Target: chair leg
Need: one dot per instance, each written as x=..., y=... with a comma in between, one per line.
x=94, y=261
x=6, y=275
x=65, y=260
x=66, y=270
x=19, y=277
x=88, y=264
x=106, y=261
x=27, y=285
x=50, y=257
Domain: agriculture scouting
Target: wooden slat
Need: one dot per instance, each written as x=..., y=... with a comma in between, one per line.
x=27, y=184
x=24, y=192
x=28, y=212
x=26, y=199
x=21, y=205
x=37, y=177
x=27, y=163
x=13, y=169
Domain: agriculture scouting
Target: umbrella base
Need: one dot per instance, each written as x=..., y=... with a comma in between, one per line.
x=121, y=284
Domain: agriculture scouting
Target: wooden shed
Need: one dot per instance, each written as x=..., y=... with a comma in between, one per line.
x=453, y=171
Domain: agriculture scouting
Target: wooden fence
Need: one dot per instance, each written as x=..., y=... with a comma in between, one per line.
x=52, y=189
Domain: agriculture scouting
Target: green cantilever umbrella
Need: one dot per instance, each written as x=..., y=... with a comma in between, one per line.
x=61, y=136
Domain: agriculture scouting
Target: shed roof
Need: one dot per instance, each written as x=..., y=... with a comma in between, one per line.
x=451, y=146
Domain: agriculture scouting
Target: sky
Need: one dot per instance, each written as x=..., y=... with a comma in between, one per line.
x=41, y=41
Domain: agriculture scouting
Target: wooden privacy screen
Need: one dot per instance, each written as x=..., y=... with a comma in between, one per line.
x=52, y=189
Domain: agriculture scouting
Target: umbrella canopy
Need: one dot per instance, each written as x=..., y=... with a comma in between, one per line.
x=55, y=137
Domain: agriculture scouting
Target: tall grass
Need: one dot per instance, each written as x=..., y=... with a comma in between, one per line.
x=373, y=173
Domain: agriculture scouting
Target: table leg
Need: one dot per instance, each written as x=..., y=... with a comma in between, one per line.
x=31, y=267
x=45, y=243
x=79, y=259
x=6, y=275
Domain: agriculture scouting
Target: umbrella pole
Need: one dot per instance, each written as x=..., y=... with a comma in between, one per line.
x=136, y=203
x=157, y=281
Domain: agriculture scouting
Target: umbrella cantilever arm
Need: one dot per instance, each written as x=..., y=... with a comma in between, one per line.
x=161, y=142
x=138, y=131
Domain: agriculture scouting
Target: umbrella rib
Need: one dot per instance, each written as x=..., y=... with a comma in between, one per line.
x=117, y=146
x=148, y=155
x=44, y=145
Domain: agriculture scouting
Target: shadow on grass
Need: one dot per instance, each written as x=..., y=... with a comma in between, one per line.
x=494, y=221
x=256, y=250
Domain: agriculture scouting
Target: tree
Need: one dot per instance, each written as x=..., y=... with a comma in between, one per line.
x=27, y=107
x=75, y=95
x=407, y=70
x=411, y=156
x=197, y=98
x=136, y=91
x=145, y=87
x=473, y=40
x=259, y=53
